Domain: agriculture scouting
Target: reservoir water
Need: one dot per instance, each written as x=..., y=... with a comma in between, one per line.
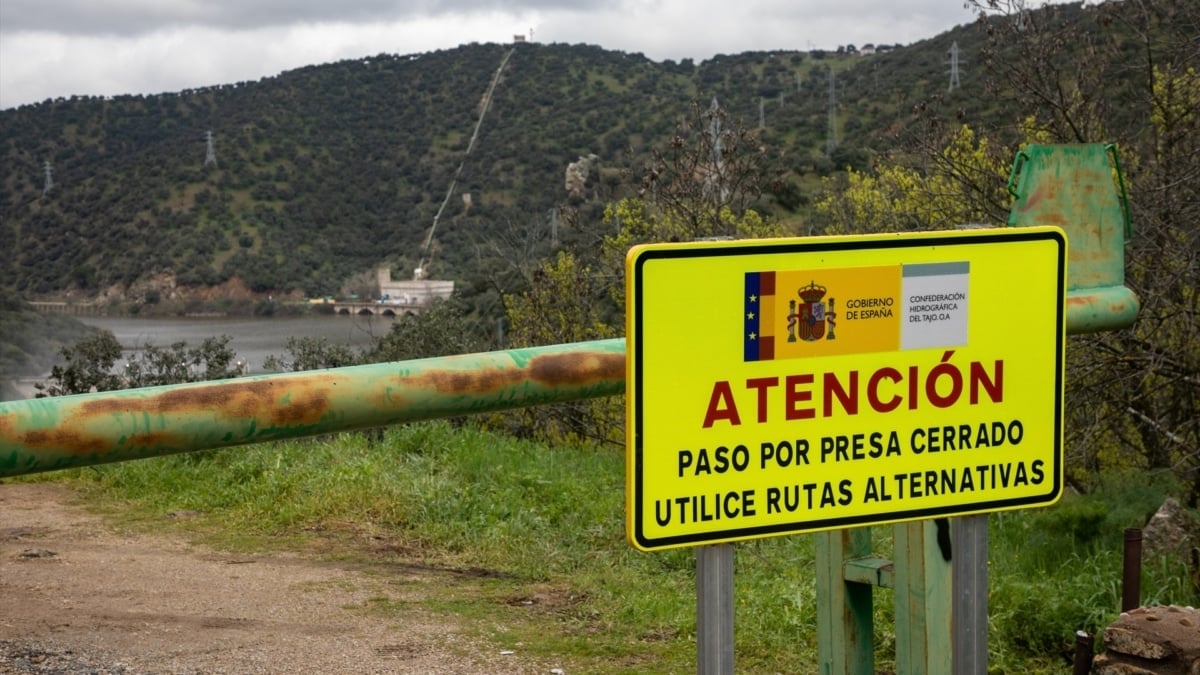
x=253, y=339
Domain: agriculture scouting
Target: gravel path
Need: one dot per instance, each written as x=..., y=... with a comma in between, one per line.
x=77, y=596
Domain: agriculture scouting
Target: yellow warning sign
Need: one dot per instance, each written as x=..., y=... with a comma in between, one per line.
x=800, y=385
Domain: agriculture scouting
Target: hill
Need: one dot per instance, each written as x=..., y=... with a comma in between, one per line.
x=326, y=171
x=323, y=173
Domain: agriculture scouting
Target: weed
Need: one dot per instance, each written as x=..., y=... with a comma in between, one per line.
x=539, y=531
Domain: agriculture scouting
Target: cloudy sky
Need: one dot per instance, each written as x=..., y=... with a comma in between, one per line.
x=51, y=48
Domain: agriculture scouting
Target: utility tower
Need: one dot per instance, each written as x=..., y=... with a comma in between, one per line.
x=717, y=170
x=831, y=142
x=954, y=66
x=49, y=171
x=1023, y=19
x=554, y=228
x=210, y=155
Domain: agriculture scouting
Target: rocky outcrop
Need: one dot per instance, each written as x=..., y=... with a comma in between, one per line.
x=1172, y=531
x=579, y=175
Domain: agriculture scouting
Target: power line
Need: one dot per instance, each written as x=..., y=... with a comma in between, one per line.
x=419, y=272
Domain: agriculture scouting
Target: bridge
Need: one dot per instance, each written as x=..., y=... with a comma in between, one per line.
x=377, y=308
x=70, y=308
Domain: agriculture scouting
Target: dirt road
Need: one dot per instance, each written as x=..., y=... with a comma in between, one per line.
x=77, y=596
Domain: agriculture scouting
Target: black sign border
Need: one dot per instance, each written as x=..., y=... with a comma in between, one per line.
x=867, y=242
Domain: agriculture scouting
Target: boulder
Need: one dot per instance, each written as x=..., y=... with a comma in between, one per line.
x=1152, y=641
x=1172, y=531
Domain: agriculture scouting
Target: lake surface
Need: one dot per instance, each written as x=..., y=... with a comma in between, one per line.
x=253, y=339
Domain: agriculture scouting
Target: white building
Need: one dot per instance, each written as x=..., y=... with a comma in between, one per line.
x=415, y=294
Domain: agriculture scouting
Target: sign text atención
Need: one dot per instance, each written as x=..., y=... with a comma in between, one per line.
x=800, y=385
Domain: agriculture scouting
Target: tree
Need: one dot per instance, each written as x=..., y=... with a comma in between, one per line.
x=962, y=181
x=177, y=364
x=1133, y=396
x=88, y=367
x=639, y=222
x=699, y=186
x=444, y=328
x=361, y=285
x=309, y=353
x=706, y=177
x=567, y=301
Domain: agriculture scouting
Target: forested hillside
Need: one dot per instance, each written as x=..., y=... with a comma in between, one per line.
x=320, y=175
x=325, y=172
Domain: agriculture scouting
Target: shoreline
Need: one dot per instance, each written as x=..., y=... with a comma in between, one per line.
x=261, y=309
x=253, y=338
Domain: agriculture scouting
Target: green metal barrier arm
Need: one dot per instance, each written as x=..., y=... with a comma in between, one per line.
x=1081, y=189
x=63, y=432
x=72, y=431
x=1097, y=310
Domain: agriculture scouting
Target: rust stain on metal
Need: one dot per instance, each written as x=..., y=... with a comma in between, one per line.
x=308, y=409
x=557, y=370
x=151, y=440
x=1034, y=199
x=230, y=399
x=1085, y=299
x=64, y=440
x=69, y=441
x=459, y=381
x=550, y=370
x=1046, y=192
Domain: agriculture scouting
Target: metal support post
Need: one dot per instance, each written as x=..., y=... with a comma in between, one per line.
x=1131, y=573
x=969, y=537
x=844, y=608
x=1084, y=644
x=923, y=600
x=714, y=609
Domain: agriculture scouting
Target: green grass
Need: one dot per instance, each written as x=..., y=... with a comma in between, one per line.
x=1058, y=570
x=532, y=540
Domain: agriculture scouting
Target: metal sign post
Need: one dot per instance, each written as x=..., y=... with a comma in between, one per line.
x=1080, y=188
x=855, y=381
x=714, y=609
x=969, y=535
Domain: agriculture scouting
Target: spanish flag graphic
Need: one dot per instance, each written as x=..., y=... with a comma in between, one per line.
x=826, y=312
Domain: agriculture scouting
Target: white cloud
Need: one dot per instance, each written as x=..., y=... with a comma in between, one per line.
x=51, y=48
